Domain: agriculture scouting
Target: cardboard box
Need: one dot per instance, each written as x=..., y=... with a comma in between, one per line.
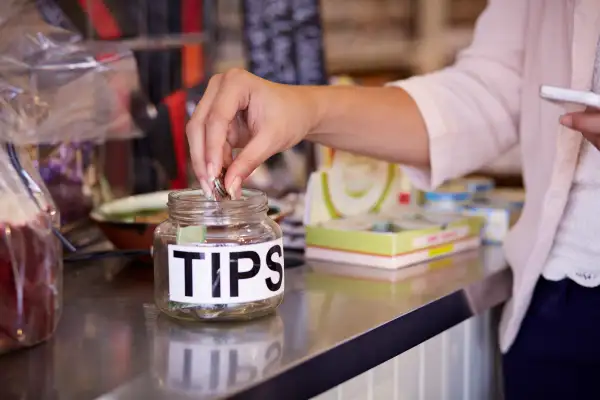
x=390, y=249
x=373, y=230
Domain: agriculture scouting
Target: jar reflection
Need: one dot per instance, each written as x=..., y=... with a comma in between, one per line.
x=210, y=360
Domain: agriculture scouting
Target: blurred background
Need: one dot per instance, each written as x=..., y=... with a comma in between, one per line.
x=177, y=45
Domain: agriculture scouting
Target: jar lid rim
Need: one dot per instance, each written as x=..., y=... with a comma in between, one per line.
x=196, y=195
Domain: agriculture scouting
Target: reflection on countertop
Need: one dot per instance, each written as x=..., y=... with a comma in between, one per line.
x=112, y=343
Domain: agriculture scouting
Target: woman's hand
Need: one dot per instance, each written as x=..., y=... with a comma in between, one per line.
x=587, y=122
x=240, y=110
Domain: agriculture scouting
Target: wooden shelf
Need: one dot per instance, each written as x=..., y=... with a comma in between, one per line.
x=351, y=53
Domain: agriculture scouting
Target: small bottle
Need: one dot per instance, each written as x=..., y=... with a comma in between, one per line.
x=218, y=260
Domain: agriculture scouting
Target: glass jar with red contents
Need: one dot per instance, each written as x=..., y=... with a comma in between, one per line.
x=30, y=264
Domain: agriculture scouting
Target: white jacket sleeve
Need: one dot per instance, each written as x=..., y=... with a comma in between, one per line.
x=472, y=108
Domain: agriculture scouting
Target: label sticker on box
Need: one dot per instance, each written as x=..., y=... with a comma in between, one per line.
x=445, y=236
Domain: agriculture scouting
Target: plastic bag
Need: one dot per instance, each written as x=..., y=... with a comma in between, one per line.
x=56, y=87
x=30, y=264
x=73, y=175
x=61, y=97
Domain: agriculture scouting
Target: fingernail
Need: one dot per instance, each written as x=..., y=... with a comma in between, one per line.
x=210, y=168
x=234, y=188
x=567, y=121
x=206, y=189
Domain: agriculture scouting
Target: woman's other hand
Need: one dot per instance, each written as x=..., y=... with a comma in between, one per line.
x=587, y=122
x=241, y=110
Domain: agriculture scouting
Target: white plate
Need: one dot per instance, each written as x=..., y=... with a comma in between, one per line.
x=131, y=204
x=154, y=201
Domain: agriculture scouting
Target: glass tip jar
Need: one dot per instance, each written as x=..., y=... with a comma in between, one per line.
x=218, y=260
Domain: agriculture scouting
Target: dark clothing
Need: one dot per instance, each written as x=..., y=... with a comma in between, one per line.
x=556, y=354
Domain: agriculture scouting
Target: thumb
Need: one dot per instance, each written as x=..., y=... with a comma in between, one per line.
x=254, y=154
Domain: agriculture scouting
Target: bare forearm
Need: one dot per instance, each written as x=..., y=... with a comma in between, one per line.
x=384, y=123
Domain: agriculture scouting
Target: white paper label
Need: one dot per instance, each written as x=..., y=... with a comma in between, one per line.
x=226, y=275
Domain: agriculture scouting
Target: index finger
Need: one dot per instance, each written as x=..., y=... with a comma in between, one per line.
x=232, y=98
x=196, y=128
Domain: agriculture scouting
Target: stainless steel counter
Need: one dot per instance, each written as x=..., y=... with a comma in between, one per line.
x=335, y=323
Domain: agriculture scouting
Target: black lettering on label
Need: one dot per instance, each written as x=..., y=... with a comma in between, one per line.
x=215, y=364
x=236, y=372
x=187, y=368
x=216, y=274
x=234, y=271
x=274, y=266
x=188, y=258
x=272, y=356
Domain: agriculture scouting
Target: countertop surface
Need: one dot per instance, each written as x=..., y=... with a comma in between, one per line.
x=335, y=323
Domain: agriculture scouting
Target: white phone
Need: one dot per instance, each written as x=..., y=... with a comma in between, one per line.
x=565, y=96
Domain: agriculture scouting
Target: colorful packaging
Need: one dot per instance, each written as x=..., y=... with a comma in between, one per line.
x=479, y=186
x=448, y=198
x=352, y=185
x=373, y=230
x=499, y=217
